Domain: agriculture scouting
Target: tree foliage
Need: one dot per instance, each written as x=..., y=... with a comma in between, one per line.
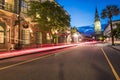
x=109, y=12
x=73, y=30
x=49, y=15
x=116, y=31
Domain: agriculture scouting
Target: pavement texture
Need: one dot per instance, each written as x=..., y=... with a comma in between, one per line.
x=116, y=46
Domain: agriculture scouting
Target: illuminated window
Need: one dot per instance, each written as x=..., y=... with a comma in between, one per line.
x=26, y=36
x=9, y=5
x=1, y=4
x=1, y=35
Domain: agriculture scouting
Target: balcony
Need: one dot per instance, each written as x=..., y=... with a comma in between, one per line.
x=7, y=7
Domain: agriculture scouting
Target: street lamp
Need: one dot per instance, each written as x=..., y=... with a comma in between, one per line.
x=19, y=33
x=75, y=35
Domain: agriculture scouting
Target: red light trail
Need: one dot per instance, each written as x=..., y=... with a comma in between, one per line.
x=29, y=51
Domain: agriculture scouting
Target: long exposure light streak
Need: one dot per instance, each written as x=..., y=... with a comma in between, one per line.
x=29, y=51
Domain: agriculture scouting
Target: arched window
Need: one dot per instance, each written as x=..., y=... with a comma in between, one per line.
x=26, y=36
x=1, y=34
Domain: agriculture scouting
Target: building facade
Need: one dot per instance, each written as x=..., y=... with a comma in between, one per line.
x=14, y=30
x=8, y=18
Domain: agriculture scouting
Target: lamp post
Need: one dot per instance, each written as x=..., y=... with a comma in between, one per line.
x=19, y=33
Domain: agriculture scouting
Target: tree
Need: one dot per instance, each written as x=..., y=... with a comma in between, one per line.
x=109, y=12
x=73, y=30
x=49, y=15
x=116, y=31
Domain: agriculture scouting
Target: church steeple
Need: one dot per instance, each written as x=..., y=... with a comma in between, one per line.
x=97, y=24
x=96, y=15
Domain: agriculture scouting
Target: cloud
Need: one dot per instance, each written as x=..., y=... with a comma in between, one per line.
x=86, y=30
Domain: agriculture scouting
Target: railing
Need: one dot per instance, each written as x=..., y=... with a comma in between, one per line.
x=13, y=8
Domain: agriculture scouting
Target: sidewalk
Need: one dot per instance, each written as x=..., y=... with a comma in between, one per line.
x=4, y=55
x=117, y=47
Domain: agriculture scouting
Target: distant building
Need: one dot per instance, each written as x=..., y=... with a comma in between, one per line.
x=107, y=30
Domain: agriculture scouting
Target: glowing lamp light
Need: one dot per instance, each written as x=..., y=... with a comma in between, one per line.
x=75, y=35
x=31, y=30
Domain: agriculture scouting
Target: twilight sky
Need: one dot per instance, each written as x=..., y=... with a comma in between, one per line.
x=82, y=11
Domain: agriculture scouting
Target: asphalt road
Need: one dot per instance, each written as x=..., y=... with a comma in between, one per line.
x=83, y=62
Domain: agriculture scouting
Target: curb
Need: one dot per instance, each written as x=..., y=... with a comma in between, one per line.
x=115, y=48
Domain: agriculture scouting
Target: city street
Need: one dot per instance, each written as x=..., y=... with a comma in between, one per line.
x=59, y=40
x=88, y=61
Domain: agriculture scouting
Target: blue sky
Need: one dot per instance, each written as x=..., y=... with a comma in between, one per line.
x=82, y=12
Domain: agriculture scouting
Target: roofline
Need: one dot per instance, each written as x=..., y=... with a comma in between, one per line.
x=115, y=20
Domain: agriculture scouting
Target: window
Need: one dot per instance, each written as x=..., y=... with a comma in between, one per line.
x=1, y=4
x=1, y=35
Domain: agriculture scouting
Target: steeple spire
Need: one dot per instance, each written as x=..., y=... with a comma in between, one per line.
x=96, y=15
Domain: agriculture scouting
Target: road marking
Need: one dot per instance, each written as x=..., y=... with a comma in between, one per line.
x=27, y=61
x=111, y=66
